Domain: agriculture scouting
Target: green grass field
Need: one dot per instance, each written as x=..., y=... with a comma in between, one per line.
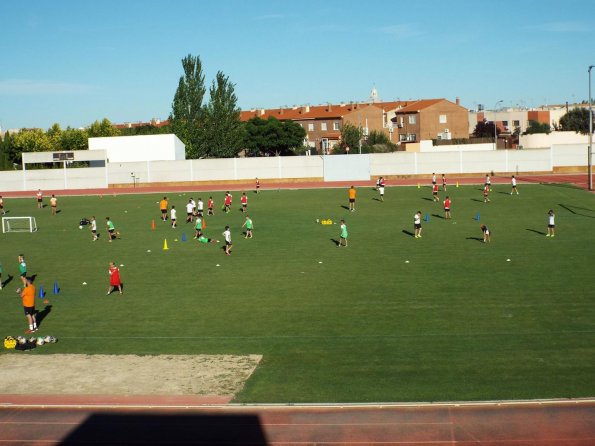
x=457, y=322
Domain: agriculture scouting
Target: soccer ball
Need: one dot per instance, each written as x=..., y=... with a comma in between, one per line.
x=40, y=341
x=18, y=291
x=21, y=340
x=80, y=226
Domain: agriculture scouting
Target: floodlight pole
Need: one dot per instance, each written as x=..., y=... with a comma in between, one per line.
x=589, y=151
x=495, y=127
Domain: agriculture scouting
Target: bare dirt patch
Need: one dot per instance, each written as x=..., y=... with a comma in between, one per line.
x=125, y=374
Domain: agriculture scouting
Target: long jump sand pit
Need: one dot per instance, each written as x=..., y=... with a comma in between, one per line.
x=63, y=374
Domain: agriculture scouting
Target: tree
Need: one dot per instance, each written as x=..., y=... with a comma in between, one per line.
x=74, y=139
x=484, y=129
x=537, y=127
x=187, y=110
x=223, y=132
x=351, y=136
x=378, y=142
x=576, y=120
x=273, y=137
x=102, y=129
x=54, y=134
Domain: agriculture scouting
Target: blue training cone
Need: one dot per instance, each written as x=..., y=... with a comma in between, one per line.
x=41, y=292
x=427, y=217
x=56, y=289
x=477, y=217
x=183, y=236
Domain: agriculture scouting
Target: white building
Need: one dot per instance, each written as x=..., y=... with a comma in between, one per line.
x=122, y=149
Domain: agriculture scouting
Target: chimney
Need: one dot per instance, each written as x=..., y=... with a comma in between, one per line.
x=305, y=109
x=329, y=107
x=281, y=110
x=261, y=112
x=458, y=101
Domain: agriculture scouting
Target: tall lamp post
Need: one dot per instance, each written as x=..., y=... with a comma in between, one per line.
x=495, y=127
x=589, y=152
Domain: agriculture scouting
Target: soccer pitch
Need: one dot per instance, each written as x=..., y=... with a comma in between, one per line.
x=390, y=318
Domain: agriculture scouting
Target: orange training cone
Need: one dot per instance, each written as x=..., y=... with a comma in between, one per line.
x=152, y=225
x=165, y=248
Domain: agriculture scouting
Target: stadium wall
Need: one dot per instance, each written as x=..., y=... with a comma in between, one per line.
x=568, y=157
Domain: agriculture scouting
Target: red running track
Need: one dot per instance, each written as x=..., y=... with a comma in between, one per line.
x=554, y=423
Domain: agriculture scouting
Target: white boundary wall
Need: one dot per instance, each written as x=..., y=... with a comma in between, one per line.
x=329, y=168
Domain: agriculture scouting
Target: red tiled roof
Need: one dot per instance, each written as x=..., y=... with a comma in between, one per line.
x=419, y=105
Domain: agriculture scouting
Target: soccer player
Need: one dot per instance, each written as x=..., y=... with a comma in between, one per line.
x=227, y=235
x=433, y=179
x=257, y=185
x=227, y=202
x=28, y=298
x=381, y=188
x=39, y=196
x=551, y=225
x=210, y=206
x=93, y=227
x=54, y=204
x=163, y=208
x=114, y=279
x=417, y=224
x=435, y=192
x=352, y=194
x=111, y=229
x=198, y=227
x=513, y=183
x=2, y=205
x=486, y=192
x=200, y=207
x=488, y=182
x=443, y=182
x=22, y=269
x=249, y=226
x=189, y=211
x=173, y=216
x=244, y=202
x=343, y=234
x=447, y=203
x=203, y=239
x=486, y=233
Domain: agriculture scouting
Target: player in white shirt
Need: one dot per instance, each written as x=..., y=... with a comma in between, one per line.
x=227, y=235
x=417, y=224
x=94, y=228
x=189, y=211
x=513, y=183
x=200, y=207
x=172, y=216
x=551, y=225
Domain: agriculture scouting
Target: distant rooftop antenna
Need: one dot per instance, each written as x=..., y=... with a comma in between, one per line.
x=374, y=95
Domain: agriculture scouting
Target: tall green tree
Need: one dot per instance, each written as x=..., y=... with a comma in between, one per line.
x=187, y=110
x=351, y=135
x=484, y=129
x=102, y=129
x=576, y=120
x=223, y=132
x=74, y=139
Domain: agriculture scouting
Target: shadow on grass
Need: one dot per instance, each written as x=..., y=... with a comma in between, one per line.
x=41, y=315
x=572, y=210
x=409, y=233
x=478, y=239
x=345, y=207
x=477, y=199
x=7, y=281
x=335, y=241
x=377, y=199
x=535, y=231
x=427, y=199
x=438, y=216
x=503, y=193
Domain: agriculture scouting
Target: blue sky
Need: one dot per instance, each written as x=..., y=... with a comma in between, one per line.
x=73, y=62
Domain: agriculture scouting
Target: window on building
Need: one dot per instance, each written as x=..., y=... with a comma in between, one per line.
x=409, y=137
x=336, y=125
x=442, y=119
x=505, y=123
x=516, y=123
x=323, y=126
x=311, y=127
x=411, y=119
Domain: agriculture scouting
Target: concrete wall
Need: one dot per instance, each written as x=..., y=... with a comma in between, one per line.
x=329, y=168
x=140, y=148
x=541, y=140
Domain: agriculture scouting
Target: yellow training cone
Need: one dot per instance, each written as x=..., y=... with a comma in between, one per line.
x=418, y=185
x=457, y=184
x=165, y=248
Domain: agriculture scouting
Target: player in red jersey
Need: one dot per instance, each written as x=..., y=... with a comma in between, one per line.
x=447, y=208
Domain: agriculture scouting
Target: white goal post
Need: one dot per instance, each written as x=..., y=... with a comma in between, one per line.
x=19, y=224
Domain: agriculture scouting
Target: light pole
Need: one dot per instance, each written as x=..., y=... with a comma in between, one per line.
x=589, y=152
x=495, y=127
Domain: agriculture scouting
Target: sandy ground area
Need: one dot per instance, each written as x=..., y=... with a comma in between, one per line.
x=125, y=374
